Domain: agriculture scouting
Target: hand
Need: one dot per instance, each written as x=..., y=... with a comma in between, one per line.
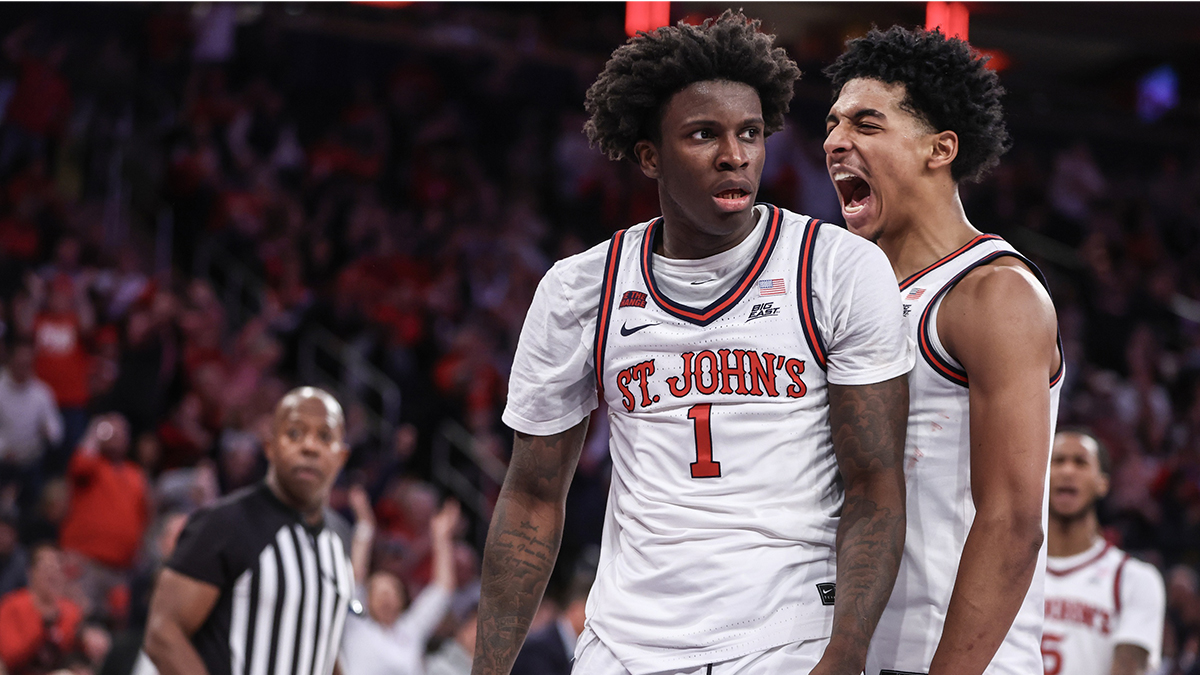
x=360, y=503
x=446, y=521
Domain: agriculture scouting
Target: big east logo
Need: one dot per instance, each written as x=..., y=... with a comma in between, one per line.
x=743, y=372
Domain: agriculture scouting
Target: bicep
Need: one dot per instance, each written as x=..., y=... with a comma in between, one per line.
x=542, y=466
x=1002, y=329
x=182, y=601
x=868, y=423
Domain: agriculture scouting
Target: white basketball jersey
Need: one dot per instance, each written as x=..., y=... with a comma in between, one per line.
x=723, y=509
x=1095, y=601
x=937, y=472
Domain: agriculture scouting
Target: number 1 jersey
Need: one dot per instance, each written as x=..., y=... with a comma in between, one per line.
x=725, y=495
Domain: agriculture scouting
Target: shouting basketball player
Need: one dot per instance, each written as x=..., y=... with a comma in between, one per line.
x=1104, y=609
x=754, y=365
x=914, y=115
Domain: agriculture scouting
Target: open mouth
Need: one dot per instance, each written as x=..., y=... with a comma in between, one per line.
x=733, y=199
x=853, y=190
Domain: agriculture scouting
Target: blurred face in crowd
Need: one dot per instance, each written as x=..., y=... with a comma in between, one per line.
x=1076, y=481
x=708, y=163
x=875, y=152
x=307, y=449
x=46, y=577
x=386, y=598
x=8, y=537
x=113, y=434
x=20, y=364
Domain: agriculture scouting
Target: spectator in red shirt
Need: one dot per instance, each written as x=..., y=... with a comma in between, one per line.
x=59, y=333
x=108, y=512
x=38, y=625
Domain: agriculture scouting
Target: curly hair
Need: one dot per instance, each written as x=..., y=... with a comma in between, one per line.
x=627, y=99
x=946, y=85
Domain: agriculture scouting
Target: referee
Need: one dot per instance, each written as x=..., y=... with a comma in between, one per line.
x=260, y=582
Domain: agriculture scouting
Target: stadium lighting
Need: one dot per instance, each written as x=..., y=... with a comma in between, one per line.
x=951, y=17
x=646, y=16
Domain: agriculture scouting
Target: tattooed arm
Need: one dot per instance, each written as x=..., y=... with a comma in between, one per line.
x=522, y=543
x=869, y=423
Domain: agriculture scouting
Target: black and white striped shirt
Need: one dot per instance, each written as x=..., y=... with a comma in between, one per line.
x=285, y=586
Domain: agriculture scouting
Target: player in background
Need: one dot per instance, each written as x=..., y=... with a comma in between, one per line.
x=914, y=115
x=1104, y=609
x=753, y=363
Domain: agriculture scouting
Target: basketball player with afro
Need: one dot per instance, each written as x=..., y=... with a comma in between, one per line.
x=914, y=115
x=753, y=363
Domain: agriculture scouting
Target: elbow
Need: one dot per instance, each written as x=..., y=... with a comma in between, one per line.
x=1023, y=532
x=156, y=642
x=1019, y=534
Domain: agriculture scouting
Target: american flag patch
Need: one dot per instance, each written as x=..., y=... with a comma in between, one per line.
x=771, y=287
x=915, y=294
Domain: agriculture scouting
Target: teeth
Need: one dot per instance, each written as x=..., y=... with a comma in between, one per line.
x=853, y=209
x=843, y=175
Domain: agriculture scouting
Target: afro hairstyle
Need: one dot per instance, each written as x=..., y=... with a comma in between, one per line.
x=627, y=99
x=946, y=85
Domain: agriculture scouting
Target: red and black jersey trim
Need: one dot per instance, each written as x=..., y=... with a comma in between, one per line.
x=924, y=343
x=804, y=293
x=1086, y=563
x=604, y=312
x=705, y=316
x=1117, y=583
x=965, y=247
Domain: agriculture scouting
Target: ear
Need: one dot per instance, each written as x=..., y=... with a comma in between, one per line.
x=343, y=454
x=943, y=150
x=647, y=158
x=1102, y=487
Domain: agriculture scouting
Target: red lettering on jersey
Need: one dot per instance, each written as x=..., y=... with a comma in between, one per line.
x=623, y=379
x=731, y=370
x=713, y=377
x=680, y=386
x=1073, y=611
x=794, y=368
x=764, y=375
x=642, y=373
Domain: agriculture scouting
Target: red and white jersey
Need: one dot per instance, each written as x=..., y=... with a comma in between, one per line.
x=1095, y=601
x=937, y=471
x=725, y=495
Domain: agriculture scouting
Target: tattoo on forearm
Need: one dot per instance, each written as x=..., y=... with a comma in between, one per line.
x=869, y=424
x=523, y=544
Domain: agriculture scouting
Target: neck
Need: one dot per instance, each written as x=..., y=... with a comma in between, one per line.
x=933, y=226
x=684, y=240
x=1072, y=535
x=310, y=513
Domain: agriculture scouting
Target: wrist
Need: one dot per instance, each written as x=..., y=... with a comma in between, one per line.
x=844, y=656
x=364, y=531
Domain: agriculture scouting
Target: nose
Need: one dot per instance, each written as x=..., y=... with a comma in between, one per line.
x=836, y=142
x=731, y=154
x=311, y=446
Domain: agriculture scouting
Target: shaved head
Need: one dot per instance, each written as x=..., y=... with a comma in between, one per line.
x=302, y=395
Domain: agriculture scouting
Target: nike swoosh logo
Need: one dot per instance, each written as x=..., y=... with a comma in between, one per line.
x=627, y=331
x=706, y=281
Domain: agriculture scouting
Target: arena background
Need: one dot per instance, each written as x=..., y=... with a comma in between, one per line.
x=217, y=202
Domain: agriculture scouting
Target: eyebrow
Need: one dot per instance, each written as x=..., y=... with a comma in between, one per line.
x=858, y=115
x=713, y=123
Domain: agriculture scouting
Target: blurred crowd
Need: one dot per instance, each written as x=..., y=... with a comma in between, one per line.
x=404, y=192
